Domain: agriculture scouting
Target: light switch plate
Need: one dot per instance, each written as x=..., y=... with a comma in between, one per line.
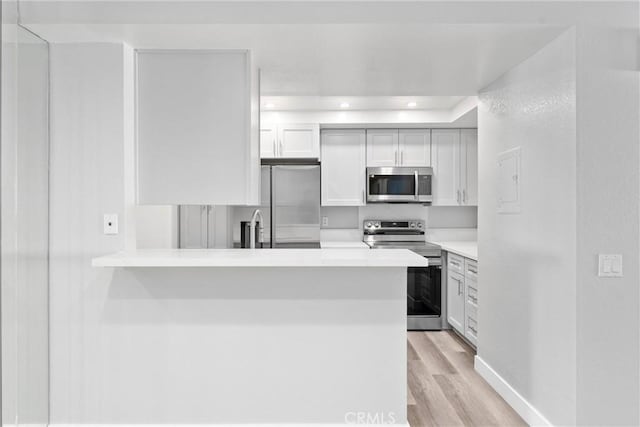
x=325, y=221
x=610, y=265
x=110, y=223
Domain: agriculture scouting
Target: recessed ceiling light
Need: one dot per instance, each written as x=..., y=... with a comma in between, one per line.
x=269, y=105
x=344, y=105
x=412, y=104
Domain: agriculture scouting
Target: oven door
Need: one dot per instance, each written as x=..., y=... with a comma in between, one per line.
x=424, y=296
x=399, y=185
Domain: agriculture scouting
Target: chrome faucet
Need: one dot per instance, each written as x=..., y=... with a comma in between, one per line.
x=252, y=229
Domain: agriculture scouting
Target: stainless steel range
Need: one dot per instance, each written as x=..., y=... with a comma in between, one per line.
x=425, y=298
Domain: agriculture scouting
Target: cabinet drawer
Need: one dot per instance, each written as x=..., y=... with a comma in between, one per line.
x=471, y=269
x=455, y=263
x=471, y=294
x=471, y=329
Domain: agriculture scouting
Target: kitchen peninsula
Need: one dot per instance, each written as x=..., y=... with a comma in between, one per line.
x=277, y=336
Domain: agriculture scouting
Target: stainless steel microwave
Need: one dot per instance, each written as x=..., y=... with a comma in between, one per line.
x=399, y=185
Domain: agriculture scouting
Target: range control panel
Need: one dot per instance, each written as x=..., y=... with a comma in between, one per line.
x=376, y=225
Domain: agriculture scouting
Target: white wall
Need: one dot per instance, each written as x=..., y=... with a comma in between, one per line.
x=608, y=329
x=87, y=180
x=527, y=285
x=565, y=339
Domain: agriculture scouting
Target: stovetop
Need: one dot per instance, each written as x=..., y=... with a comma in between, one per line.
x=399, y=234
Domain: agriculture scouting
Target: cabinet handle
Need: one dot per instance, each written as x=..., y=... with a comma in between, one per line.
x=464, y=196
x=402, y=157
x=459, y=287
x=364, y=201
x=395, y=157
x=458, y=196
x=281, y=150
x=275, y=149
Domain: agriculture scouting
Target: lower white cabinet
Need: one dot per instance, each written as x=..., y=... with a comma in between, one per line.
x=455, y=301
x=343, y=167
x=462, y=296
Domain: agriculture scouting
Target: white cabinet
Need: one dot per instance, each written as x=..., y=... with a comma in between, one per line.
x=455, y=292
x=469, y=166
x=455, y=301
x=343, y=167
x=268, y=140
x=197, y=134
x=382, y=147
x=393, y=147
x=196, y=230
x=471, y=301
x=445, y=150
x=299, y=141
x=455, y=167
x=462, y=296
x=414, y=146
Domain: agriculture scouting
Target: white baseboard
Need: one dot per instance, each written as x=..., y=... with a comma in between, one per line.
x=526, y=410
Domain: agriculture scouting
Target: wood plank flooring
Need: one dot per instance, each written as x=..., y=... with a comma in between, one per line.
x=445, y=390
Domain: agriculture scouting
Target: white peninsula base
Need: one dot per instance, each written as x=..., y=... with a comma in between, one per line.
x=256, y=344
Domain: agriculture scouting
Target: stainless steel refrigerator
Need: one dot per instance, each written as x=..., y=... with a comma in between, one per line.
x=291, y=199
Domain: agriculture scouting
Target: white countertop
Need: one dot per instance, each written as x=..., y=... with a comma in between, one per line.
x=467, y=249
x=261, y=258
x=343, y=244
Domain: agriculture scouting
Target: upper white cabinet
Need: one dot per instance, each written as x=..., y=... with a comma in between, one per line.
x=382, y=147
x=268, y=141
x=455, y=165
x=393, y=147
x=343, y=167
x=469, y=166
x=445, y=150
x=414, y=146
x=298, y=141
x=197, y=133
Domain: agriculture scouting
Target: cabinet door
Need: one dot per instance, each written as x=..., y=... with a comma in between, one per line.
x=382, y=147
x=298, y=141
x=415, y=147
x=194, y=139
x=445, y=150
x=343, y=167
x=268, y=138
x=469, y=166
x=194, y=226
x=455, y=301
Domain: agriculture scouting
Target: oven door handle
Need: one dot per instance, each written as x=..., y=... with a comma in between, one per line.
x=416, y=183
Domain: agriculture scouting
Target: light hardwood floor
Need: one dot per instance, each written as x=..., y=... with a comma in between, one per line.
x=445, y=390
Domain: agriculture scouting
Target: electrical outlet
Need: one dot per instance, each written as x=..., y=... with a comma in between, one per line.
x=110, y=223
x=325, y=221
x=610, y=265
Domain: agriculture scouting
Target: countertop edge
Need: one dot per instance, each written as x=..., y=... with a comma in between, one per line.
x=322, y=258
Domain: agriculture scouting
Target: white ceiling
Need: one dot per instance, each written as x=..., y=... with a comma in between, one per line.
x=353, y=49
x=344, y=59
